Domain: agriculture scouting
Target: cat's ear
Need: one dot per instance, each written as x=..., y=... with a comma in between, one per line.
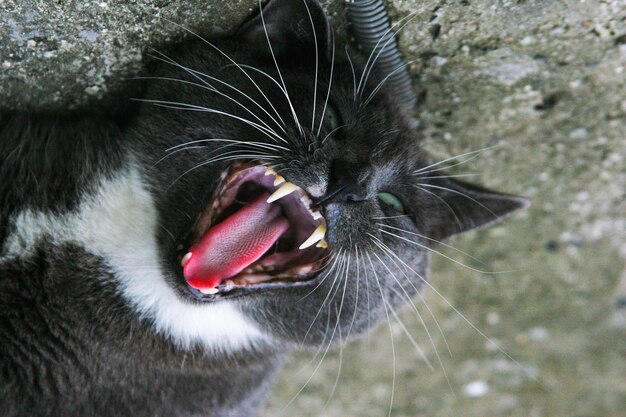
x=461, y=207
x=294, y=27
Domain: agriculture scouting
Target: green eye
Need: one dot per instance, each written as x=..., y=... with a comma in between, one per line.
x=332, y=118
x=392, y=201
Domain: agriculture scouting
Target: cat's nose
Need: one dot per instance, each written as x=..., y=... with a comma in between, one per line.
x=342, y=185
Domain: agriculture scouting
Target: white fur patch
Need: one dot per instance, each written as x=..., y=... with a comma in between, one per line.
x=119, y=223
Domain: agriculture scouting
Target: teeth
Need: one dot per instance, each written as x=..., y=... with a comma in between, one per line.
x=269, y=171
x=278, y=180
x=285, y=189
x=322, y=244
x=209, y=291
x=185, y=259
x=316, y=236
x=306, y=201
x=316, y=215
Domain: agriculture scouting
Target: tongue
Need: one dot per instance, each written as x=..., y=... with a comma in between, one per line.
x=229, y=247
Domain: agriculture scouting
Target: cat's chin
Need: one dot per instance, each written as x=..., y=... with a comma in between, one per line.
x=258, y=233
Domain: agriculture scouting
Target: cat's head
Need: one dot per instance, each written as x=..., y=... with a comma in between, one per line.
x=290, y=186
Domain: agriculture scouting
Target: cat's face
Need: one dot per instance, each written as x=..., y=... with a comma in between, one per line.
x=300, y=196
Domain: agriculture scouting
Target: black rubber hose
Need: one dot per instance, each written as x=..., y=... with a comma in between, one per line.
x=371, y=27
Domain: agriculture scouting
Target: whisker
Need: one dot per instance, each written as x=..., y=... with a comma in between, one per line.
x=441, y=254
x=461, y=194
x=376, y=89
x=393, y=348
x=413, y=342
x=454, y=176
x=263, y=145
x=317, y=59
x=426, y=169
x=185, y=148
x=230, y=59
x=200, y=75
x=192, y=107
x=358, y=278
x=448, y=303
x=234, y=156
x=280, y=75
x=323, y=356
x=399, y=216
x=432, y=240
x=332, y=131
x=343, y=294
x=175, y=152
x=369, y=63
x=339, y=255
x=458, y=221
x=390, y=38
x=327, y=325
x=386, y=250
x=330, y=83
x=389, y=252
x=409, y=301
x=353, y=73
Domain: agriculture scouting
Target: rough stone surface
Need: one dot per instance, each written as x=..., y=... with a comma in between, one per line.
x=62, y=54
x=539, y=84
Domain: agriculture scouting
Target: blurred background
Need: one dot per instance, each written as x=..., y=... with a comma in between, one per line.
x=542, y=83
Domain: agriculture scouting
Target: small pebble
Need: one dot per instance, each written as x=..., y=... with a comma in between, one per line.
x=476, y=389
x=493, y=318
x=538, y=334
x=580, y=133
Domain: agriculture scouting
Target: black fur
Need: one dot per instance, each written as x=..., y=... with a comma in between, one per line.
x=72, y=345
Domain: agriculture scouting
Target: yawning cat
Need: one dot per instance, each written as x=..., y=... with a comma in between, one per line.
x=265, y=193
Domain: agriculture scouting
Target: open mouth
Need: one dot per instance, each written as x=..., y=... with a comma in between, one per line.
x=259, y=231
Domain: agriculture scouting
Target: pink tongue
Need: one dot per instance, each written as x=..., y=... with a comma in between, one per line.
x=230, y=246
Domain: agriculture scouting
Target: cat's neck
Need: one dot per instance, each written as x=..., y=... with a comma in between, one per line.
x=48, y=162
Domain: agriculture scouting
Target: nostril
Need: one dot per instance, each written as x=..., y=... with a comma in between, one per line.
x=342, y=185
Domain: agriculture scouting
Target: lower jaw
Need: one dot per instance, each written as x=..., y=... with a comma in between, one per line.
x=225, y=293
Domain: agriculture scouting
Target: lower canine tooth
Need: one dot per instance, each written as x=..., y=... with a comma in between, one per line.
x=185, y=259
x=209, y=291
x=316, y=236
x=285, y=189
x=278, y=180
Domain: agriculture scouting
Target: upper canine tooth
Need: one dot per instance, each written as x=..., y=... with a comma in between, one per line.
x=278, y=180
x=316, y=236
x=269, y=171
x=285, y=189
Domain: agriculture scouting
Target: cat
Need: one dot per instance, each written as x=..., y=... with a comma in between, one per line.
x=263, y=193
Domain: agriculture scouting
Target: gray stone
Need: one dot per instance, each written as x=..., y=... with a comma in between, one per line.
x=67, y=54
